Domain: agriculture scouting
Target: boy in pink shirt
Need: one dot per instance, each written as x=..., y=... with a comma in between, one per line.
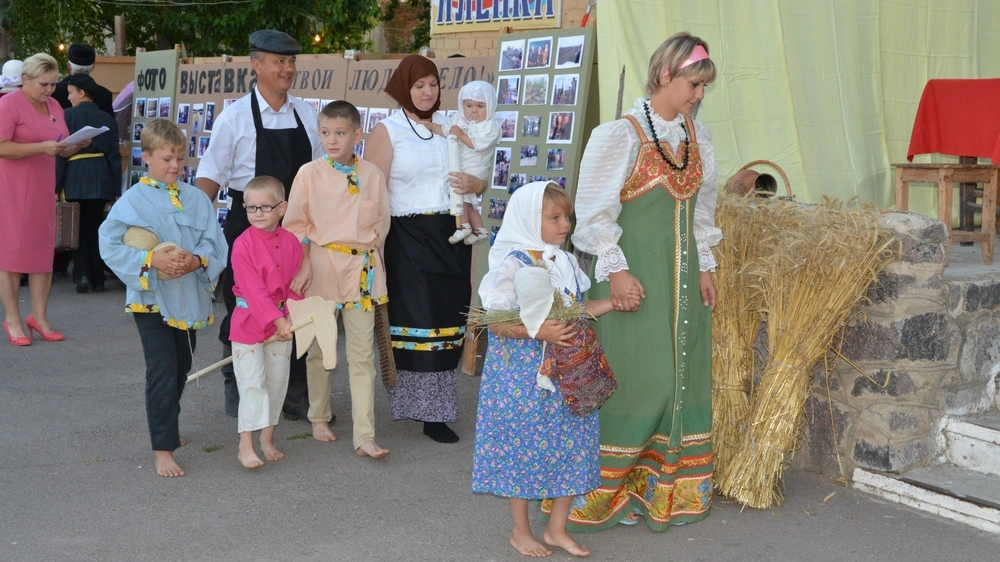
x=266, y=261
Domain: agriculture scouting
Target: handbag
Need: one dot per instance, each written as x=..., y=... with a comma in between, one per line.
x=67, y=226
x=581, y=370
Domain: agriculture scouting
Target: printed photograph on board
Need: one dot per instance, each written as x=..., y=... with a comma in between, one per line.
x=560, y=127
x=228, y=102
x=359, y=149
x=511, y=55
x=209, y=116
x=140, y=107
x=570, y=52
x=494, y=230
x=375, y=115
x=137, y=132
x=508, y=125
x=134, y=177
x=313, y=102
x=164, y=108
x=556, y=159
x=222, y=214
x=193, y=147
x=501, y=167
x=364, y=116
x=152, y=105
x=539, y=53
x=531, y=125
x=137, y=157
x=203, y=145
x=517, y=181
x=197, y=115
x=564, y=88
x=223, y=193
x=529, y=155
x=536, y=89
x=183, y=113
x=497, y=208
x=507, y=90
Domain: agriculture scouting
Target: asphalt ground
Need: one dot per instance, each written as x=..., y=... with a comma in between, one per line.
x=77, y=479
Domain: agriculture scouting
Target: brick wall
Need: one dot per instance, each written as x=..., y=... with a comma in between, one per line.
x=484, y=43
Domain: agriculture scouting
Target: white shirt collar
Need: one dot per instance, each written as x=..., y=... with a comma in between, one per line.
x=264, y=106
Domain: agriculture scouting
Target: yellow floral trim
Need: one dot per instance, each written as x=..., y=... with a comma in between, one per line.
x=428, y=346
x=139, y=308
x=172, y=190
x=367, y=281
x=203, y=260
x=147, y=265
x=359, y=304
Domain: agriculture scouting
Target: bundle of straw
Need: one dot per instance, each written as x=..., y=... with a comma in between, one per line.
x=815, y=270
x=735, y=320
x=561, y=312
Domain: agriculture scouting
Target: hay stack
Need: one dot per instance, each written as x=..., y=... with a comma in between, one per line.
x=142, y=239
x=812, y=272
x=735, y=320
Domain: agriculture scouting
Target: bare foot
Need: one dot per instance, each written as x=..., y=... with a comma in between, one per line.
x=271, y=452
x=321, y=432
x=183, y=441
x=165, y=464
x=249, y=459
x=370, y=449
x=565, y=542
x=527, y=545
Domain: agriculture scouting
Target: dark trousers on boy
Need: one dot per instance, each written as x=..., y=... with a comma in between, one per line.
x=167, y=351
x=88, y=267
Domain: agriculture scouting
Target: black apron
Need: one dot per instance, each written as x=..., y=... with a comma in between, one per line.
x=280, y=154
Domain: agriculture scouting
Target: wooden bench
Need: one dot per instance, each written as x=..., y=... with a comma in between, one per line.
x=945, y=176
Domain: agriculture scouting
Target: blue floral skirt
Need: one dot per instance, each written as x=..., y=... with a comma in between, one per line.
x=528, y=444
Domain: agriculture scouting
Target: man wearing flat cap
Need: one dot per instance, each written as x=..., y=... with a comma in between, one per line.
x=265, y=133
x=81, y=61
x=91, y=177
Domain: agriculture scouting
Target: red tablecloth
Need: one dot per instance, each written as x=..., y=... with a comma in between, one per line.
x=958, y=117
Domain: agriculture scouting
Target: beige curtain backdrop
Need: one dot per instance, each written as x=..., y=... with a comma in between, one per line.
x=826, y=89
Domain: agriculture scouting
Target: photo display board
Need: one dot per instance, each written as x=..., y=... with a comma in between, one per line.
x=155, y=87
x=547, y=105
x=193, y=93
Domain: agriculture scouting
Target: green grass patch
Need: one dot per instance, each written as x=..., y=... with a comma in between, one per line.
x=213, y=448
x=305, y=435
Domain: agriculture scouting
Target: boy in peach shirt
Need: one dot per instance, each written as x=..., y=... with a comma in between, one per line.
x=339, y=209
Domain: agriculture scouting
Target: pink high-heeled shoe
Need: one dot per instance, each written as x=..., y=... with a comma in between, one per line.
x=33, y=326
x=18, y=341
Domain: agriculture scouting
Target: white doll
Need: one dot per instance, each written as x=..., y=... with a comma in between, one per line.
x=472, y=136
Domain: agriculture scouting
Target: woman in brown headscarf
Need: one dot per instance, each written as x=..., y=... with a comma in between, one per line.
x=428, y=278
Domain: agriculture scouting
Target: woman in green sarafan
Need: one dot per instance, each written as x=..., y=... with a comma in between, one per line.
x=646, y=209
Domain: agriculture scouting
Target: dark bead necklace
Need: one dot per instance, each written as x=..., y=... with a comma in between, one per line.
x=659, y=149
x=414, y=129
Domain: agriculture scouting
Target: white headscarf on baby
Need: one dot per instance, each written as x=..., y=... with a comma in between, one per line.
x=477, y=90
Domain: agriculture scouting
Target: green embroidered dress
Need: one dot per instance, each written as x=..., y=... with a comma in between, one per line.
x=656, y=442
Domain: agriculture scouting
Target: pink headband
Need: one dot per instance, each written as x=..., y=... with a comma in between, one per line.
x=697, y=54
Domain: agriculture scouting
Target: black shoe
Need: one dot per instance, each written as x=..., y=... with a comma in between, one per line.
x=440, y=432
x=97, y=286
x=82, y=285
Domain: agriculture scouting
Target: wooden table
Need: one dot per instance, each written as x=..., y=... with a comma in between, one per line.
x=945, y=176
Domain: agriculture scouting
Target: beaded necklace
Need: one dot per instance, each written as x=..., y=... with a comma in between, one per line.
x=352, y=173
x=172, y=190
x=656, y=141
x=414, y=129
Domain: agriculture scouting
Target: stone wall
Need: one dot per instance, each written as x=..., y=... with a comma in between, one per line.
x=928, y=345
x=484, y=43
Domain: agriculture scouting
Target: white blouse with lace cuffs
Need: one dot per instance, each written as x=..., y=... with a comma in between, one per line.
x=608, y=160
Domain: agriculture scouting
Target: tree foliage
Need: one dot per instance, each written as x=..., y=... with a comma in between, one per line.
x=207, y=28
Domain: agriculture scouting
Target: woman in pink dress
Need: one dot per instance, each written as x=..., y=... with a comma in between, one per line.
x=31, y=128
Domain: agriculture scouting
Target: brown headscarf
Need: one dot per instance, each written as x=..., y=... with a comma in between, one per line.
x=411, y=69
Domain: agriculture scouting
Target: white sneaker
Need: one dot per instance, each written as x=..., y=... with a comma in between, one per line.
x=460, y=234
x=477, y=236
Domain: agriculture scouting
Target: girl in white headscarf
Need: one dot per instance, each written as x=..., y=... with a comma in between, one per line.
x=529, y=445
x=473, y=135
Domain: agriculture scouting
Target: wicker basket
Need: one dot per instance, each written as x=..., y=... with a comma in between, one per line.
x=742, y=182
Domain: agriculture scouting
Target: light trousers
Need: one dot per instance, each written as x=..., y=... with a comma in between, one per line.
x=262, y=379
x=359, y=328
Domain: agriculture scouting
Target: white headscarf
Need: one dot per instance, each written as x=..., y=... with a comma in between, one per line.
x=481, y=91
x=522, y=230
